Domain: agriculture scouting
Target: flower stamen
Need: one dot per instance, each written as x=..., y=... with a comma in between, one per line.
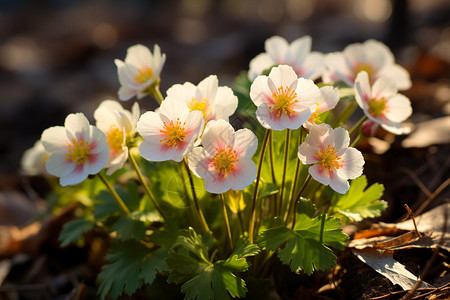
x=145, y=74
x=224, y=161
x=284, y=98
x=377, y=107
x=328, y=158
x=364, y=67
x=114, y=138
x=78, y=151
x=202, y=106
x=174, y=133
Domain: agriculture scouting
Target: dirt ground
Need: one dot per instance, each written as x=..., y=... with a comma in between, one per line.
x=56, y=57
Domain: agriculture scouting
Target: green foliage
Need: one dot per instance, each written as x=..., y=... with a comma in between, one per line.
x=304, y=248
x=129, y=227
x=189, y=265
x=358, y=203
x=73, y=231
x=130, y=265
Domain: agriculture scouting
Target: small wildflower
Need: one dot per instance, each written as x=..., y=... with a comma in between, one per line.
x=169, y=134
x=119, y=125
x=283, y=100
x=381, y=103
x=332, y=161
x=373, y=57
x=139, y=71
x=214, y=101
x=34, y=159
x=76, y=150
x=225, y=160
x=297, y=54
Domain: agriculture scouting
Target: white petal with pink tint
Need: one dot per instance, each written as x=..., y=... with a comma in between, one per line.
x=332, y=161
x=297, y=54
x=224, y=162
x=82, y=152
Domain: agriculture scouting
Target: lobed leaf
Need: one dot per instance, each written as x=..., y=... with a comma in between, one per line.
x=305, y=248
x=130, y=265
x=73, y=231
x=358, y=203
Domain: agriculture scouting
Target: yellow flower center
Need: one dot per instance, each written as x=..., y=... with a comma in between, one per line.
x=377, y=107
x=328, y=158
x=315, y=115
x=145, y=74
x=225, y=160
x=78, y=151
x=114, y=138
x=284, y=98
x=364, y=67
x=202, y=106
x=174, y=133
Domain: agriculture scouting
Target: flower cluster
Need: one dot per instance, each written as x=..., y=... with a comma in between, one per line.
x=191, y=128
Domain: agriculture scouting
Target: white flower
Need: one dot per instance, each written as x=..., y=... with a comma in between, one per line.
x=327, y=101
x=298, y=55
x=381, y=103
x=34, y=159
x=283, y=100
x=169, y=133
x=140, y=69
x=214, y=101
x=77, y=149
x=119, y=125
x=333, y=162
x=371, y=56
x=225, y=160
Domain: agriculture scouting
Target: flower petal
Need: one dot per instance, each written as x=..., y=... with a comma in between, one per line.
x=57, y=165
x=398, y=108
x=352, y=166
x=363, y=91
x=54, y=139
x=245, y=143
x=339, y=184
x=259, y=64
x=217, y=135
x=244, y=174
x=276, y=47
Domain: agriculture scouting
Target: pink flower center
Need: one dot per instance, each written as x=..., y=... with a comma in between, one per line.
x=145, y=74
x=328, y=158
x=283, y=99
x=78, y=151
x=377, y=107
x=202, y=106
x=225, y=160
x=174, y=133
x=114, y=138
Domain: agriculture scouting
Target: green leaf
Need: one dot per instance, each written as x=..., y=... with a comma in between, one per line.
x=358, y=203
x=130, y=265
x=129, y=227
x=201, y=279
x=305, y=248
x=73, y=231
x=245, y=249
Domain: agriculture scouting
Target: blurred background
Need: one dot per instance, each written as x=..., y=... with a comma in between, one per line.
x=57, y=56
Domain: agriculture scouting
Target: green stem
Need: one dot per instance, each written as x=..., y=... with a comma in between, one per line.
x=116, y=196
x=272, y=169
x=184, y=183
x=283, y=180
x=294, y=182
x=144, y=183
x=322, y=225
x=227, y=223
x=157, y=94
x=194, y=198
x=251, y=226
x=345, y=114
x=357, y=125
x=358, y=138
x=297, y=198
